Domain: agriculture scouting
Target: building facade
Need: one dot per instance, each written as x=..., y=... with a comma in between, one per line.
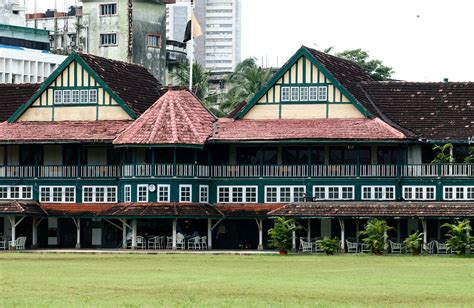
x=134, y=33
x=102, y=156
x=12, y=12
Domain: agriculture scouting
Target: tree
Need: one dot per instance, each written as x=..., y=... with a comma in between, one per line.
x=470, y=158
x=458, y=235
x=375, y=233
x=413, y=243
x=374, y=67
x=443, y=156
x=281, y=235
x=200, y=79
x=247, y=79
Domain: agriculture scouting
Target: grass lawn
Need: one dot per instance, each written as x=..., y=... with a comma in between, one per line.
x=226, y=280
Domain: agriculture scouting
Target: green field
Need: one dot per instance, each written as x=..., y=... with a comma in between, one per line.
x=226, y=280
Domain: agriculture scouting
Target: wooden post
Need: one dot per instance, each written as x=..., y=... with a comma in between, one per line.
x=209, y=233
x=134, y=233
x=343, y=233
x=124, y=233
x=260, y=233
x=34, y=238
x=309, y=230
x=13, y=225
x=175, y=222
x=425, y=233
x=78, y=233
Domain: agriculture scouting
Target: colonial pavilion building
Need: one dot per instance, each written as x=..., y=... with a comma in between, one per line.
x=101, y=153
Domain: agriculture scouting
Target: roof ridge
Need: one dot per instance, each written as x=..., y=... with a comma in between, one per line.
x=187, y=119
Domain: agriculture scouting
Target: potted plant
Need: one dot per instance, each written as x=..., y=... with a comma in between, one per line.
x=375, y=235
x=458, y=235
x=329, y=245
x=413, y=243
x=281, y=234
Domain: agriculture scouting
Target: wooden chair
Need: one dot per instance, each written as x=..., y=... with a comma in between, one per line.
x=395, y=247
x=352, y=247
x=441, y=247
x=306, y=246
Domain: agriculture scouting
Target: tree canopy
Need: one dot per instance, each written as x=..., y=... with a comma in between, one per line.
x=374, y=67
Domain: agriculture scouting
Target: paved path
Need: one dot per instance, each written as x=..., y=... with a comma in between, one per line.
x=145, y=251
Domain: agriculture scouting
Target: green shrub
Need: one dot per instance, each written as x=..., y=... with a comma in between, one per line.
x=458, y=235
x=375, y=235
x=282, y=234
x=329, y=245
x=442, y=155
x=413, y=243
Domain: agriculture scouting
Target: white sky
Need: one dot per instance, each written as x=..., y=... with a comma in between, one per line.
x=435, y=45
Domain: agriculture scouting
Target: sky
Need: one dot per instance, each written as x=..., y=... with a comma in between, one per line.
x=422, y=40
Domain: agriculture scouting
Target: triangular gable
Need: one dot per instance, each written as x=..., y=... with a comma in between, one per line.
x=70, y=79
x=269, y=89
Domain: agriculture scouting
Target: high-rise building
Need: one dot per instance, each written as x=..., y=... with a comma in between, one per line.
x=218, y=49
x=12, y=12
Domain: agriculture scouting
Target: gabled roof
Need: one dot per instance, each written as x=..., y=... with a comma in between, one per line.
x=20, y=208
x=12, y=96
x=61, y=131
x=344, y=74
x=131, y=85
x=178, y=117
x=437, y=111
x=307, y=129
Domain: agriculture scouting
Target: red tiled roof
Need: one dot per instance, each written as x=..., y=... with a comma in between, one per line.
x=316, y=129
x=82, y=209
x=247, y=209
x=432, y=110
x=178, y=117
x=21, y=208
x=376, y=209
x=63, y=131
x=12, y=96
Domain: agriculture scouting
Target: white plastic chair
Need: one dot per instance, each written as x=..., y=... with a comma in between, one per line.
x=180, y=241
x=169, y=242
x=352, y=247
x=395, y=247
x=3, y=242
x=429, y=247
x=203, y=242
x=317, y=246
x=19, y=243
x=306, y=246
x=194, y=243
x=153, y=242
x=141, y=242
x=441, y=247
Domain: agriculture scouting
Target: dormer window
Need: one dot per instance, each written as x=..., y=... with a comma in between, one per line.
x=77, y=97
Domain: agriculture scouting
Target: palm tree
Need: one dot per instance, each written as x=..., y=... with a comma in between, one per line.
x=244, y=82
x=200, y=79
x=459, y=238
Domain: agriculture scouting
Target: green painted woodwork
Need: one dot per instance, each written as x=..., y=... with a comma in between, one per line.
x=302, y=52
x=65, y=66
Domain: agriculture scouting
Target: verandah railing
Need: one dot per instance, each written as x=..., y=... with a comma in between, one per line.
x=238, y=171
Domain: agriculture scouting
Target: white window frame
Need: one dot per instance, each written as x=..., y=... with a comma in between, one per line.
x=50, y=190
x=69, y=95
x=203, y=193
x=338, y=188
x=313, y=97
x=94, y=194
x=127, y=193
x=279, y=189
x=285, y=94
x=140, y=186
x=23, y=192
x=168, y=193
x=412, y=189
x=82, y=99
x=58, y=97
x=372, y=189
x=454, y=193
x=295, y=94
x=322, y=95
x=246, y=193
x=108, y=4
x=75, y=97
x=93, y=96
x=181, y=191
x=304, y=97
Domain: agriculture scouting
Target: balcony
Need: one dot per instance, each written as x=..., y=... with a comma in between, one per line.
x=241, y=171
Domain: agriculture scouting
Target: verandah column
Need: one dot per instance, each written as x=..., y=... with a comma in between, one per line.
x=309, y=230
x=34, y=235
x=124, y=233
x=209, y=233
x=343, y=233
x=77, y=222
x=260, y=233
x=425, y=233
x=134, y=233
x=175, y=222
x=13, y=225
x=293, y=239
